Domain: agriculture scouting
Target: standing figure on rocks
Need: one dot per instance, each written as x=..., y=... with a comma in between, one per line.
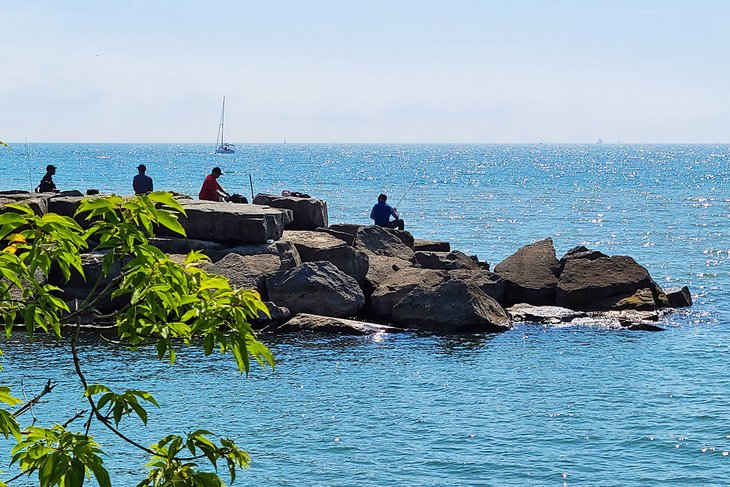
x=382, y=212
x=47, y=185
x=142, y=183
x=211, y=190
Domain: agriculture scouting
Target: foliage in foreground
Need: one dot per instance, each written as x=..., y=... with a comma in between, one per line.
x=165, y=305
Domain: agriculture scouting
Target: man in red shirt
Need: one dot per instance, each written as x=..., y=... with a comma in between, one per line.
x=211, y=190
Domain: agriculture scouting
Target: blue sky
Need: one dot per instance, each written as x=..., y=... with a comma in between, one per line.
x=366, y=71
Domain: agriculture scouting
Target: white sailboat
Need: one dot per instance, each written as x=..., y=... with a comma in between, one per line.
x=223, y=147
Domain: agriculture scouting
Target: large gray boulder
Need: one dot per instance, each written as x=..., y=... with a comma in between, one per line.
x=228, y=222
x=445, y=260
x=379, y=241
x=330, y=325
x=531, y=274
x=397, y=286
x=316, y=287
x=316, y=246
x=580, y=252
x=309, y=213
x=286, y=251
x=380, y=268
x=308, y=242
x=453, y=306
x=247, y=271
x=490, y=283
x=603, y=283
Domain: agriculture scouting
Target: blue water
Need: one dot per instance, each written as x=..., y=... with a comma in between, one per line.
x=534, y=406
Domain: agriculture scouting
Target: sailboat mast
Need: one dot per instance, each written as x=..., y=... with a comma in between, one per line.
x=223, y=118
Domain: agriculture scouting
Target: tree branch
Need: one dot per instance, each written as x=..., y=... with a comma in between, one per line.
x=29, y=405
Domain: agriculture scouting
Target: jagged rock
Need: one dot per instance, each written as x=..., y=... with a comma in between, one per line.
x=543, y=314
x=309, y=213
x=352, y=229
x=580, y=252
x=452, y=306
x=308, y=242
x=285, y=250
x=396, y=286
x=316, y=287
x=226, y=222
x=379, y=241
x=380, y=268
x=247, y=271
x=490, y=283
x=316, y=246
x=327, y=324
x=600, y=283
x=679, y=297
x=644, y=327
x=420, y=245
x=531, y=274
x=445, y=260
x=347, y=259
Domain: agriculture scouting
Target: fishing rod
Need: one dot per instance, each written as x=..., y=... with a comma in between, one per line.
x=250, y=181
x=406, y=193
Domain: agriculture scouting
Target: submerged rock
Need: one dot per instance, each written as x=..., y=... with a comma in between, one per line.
x=327, y=324
x=679, y=297
x=543, y=314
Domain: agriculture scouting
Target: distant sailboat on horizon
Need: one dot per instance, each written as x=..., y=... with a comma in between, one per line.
x=223, y=147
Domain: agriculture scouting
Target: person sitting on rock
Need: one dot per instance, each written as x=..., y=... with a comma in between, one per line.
x=142, y=183
x=382, y=212
x=211, y=190
x=47, y=185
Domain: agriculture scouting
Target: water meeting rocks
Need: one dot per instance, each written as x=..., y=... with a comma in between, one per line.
x=531, y=274
x=328, y=324
x=316, y=287
x=451, y=307
x=309, y=213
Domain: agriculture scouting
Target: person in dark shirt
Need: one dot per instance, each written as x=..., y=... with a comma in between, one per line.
x=47, y=185
x=211, y=190
x=382, y=212
x=142, y=183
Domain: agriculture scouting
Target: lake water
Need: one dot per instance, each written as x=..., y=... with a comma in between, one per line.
x=537, y=405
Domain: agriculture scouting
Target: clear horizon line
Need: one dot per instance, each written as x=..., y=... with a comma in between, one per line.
x=285, y=142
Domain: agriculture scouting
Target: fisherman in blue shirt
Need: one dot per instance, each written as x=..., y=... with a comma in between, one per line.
x=382, y=212
x=142, y=183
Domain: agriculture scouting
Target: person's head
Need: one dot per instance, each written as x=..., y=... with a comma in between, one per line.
x=51, y=169
x=382, y=198
x=216, y=172
x=141, y=168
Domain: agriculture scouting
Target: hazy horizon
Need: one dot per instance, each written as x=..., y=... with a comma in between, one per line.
x=406, y=71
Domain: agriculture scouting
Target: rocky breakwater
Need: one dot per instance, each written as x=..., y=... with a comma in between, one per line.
x=334, y=276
